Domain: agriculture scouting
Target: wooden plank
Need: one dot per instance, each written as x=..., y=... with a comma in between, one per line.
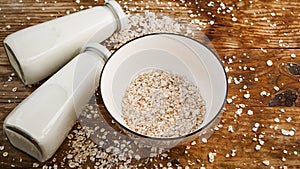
x=241, y=33
x=268, y=77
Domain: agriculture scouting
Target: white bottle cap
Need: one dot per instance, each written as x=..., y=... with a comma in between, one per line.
x=119, y=14
x=102, y=51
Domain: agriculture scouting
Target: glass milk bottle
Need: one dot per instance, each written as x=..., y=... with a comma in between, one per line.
x=40, y=50
x=41, y=122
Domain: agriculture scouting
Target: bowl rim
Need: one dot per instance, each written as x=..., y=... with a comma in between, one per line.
x=165, y=138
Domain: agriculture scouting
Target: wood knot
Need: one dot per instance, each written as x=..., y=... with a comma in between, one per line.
x=293, y=68
x=284, y=98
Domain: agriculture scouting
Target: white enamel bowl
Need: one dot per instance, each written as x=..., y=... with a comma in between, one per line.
x=170, y=52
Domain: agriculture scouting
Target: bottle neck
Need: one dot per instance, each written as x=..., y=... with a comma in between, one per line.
x=118, y=14
x=98, y=50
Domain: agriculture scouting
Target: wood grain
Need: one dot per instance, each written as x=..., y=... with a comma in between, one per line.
x=262, y=31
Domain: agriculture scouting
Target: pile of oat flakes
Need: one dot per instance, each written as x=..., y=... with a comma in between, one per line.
x=159, y=103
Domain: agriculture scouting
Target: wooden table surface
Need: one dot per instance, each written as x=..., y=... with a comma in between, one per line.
x=259, y=44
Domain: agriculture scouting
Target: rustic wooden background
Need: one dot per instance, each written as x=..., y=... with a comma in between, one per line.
x=246, y=34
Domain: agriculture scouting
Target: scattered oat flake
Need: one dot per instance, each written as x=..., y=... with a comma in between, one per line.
x=266, y=162
x=5, y=154
x=289, y=119
x=204, y=140
x=247, y=95
x=229, y=100
x=293, y=55
x=211, y=157
x=249, y=112
x=72, y=164
x=263, y=50
x=287, y=132
x=137, y=157
x=264, y=93
x=211, y=3
x=234, y=19
x=269, y=62
x=14, y=89
x=261, y=142
x=239, y=112
x=233, y=153
x=35, y=165
x=276, y=88
x=255, y=128
x=257, y=147
x=230, y=129
x=277, y=120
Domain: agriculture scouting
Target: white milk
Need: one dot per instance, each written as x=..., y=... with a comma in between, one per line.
x=38, y=51
x=41, y=122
